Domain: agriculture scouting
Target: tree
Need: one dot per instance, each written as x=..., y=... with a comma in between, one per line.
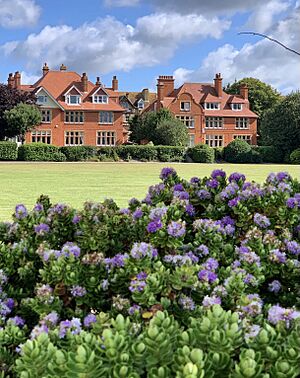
x=280, y=125
x=21, y=118
x=261, y=95
x=172, y=132
x=9, y=98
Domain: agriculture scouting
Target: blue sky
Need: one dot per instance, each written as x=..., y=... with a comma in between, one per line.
x=138, y=40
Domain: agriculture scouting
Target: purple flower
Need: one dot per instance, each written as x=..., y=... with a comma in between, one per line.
x=38, y=207
x=218, y=173
x=193, y=257
x=207, y=276
x=76, y=219
x=252, y=332
x=186, y=303
x=274, y=286
x=253, y=305
x=283, y=176
x=212, y=183
x=291, y=203
x=142, y=276
x=293, y=247
x=178, y=188
x=38, y=330
x=158, y=213
x=41, y=229
x=203, y=194
x=277, y=314
x=210, y=301
x=137, y=214
x=3, y=277
x=167, y=172
x=211, y=264
x=194, y=180
x=261, y=220
x=51, y=318
x=89, y=320
x=74, y=326
x=236, y=177
x=118, y=261
x=140, y=250
x=227, y=220
x=133, y=201
x=202, y=250
x=190, y=210
x=234, y=202
x=10, y=303
x=154, y=226
x=176, y=229
x=21, y=211
x=17, y=321
x=69, y=249
x=137, y=286
x=277, y=256
x=246, y=255
x=78, y=291
x=124, y=211
x=182, y=195
x=134, y=309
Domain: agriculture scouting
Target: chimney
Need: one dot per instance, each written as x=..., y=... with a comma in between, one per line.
x=244, y=90
x=84, y=81
x=218, y=84
x=98, y=82
x=17, y=79
x=11, y=81
x=115, y=83
x=168, y=84
x=63, y=67
x=45, y=69
x=145, y=94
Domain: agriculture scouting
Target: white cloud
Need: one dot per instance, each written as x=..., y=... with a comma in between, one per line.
x=27, y=78
x=263, y=60
x=121, y=3
x=18, y=13
x=107, y=44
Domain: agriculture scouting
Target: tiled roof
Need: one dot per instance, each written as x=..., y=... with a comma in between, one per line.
x=135, y=96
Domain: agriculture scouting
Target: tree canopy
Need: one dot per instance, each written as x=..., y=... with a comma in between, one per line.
x=172, y=132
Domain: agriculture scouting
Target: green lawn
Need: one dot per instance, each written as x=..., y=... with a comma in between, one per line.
x=74, y=183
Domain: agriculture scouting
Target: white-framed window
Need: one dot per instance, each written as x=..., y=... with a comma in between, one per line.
x=106, y=117
x=191, y=140
x=74, y=117
x=242, y=123
x=106, y=138
x=73, y=99
x=126, y=117
x=74, y=138
x=212, y=105
x=141, y=104
x=185, y=106
x=187, y=120
x=41, y=136
x=214, y=122
x=236, y=106
x=42, y=99
x=246, y=138
x=214, y=140
x=46, y=116
x=100, y=99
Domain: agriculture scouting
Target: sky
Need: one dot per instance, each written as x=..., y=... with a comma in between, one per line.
x=138, y=40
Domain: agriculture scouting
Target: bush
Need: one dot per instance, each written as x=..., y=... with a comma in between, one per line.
x=295, y=156
x=238, y=151
x=269, y=154
x=8, y=151
x=107, y=154
x=219, y=153
x=78, y=153
x=171, y=153
x=202, y=153
x=199, y=279
x=143, y=153
x=39, y=152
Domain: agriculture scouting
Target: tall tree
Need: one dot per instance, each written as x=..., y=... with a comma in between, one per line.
x=172, y=132
x=9, y=98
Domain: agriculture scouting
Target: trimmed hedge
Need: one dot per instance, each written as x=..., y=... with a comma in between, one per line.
x=40, y=152
x=143, y=153
x=202, y=153
x=269, y=154
x=238, y=151
x=295, y=156
x=219, y=153
x=171, y=153
x=78, y=153
x=8, y=151
x=107, y=154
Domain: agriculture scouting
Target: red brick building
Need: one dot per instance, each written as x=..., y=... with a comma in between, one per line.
x=211, y=115
x=74, y=110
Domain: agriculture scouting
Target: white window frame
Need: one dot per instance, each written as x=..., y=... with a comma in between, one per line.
x=74, y=134
x=242, y=123
x=41, y=136
x=187, y=120
x=75, y=115
x=100, y=99
x=46, y=114
x=212, y=105
x=111, y=118
x=246, y=137
x=41, y=99
x=141, y=104
x=185, y=106
x=78, y=100
x=106, y=136
x=214, y=122
x=214, y=140
x=236, y=106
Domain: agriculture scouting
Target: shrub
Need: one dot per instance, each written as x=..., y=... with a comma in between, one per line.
x=39, y=152
x=199, y=279
x=219, y=153
x=107, y=154
x=202, y=153
x=295, y=156
x=8, y=151
x=170, y=153
x=78, y=153
x=238, y=151
x=144, y=152
x=269, y=154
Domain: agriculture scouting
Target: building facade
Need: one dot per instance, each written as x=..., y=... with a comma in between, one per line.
x=74, y=110
x=211, y=115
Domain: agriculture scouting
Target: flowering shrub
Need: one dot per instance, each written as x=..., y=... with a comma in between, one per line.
x=199, y=279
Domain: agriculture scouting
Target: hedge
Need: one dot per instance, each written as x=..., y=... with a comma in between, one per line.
x=8, y=151
x=269, y=154
x=40, y=152
x=202, y=153
x=78, y=153
x=295, y=156
x=171, y=153
x=143, y=153
x=237, y=151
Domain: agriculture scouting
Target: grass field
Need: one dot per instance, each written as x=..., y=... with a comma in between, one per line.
x=74, y=183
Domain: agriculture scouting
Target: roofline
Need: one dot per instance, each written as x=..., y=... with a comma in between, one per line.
x=73, y=86
x=49, y=94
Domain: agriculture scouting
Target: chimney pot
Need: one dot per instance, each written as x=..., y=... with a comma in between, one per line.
x=115, y=83
x=45, y=69
x=218, y=85
x=11, y=81
x=244, y=91
x=17, y=79
x=63, y=67
x=84, y=80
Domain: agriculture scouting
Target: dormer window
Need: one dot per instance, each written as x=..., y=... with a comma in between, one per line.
x=212, y=105
x=141, y=104
x=236, y=106
x=73, y=99
x=100, y=99
x=41, y=99
x=185, y=106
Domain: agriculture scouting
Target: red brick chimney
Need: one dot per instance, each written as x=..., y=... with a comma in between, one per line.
x=17, y=80
x=84, y=81
x=45, y=69
x=115, y=83
x=165, y=85
x=244, y=91
x=218, y=85
x=11, y=81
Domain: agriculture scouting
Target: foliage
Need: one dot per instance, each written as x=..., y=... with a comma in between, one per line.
x=143, y=153
x=40, y=152
x=199, y=279
x=107, y=154
x=295, y=156
x=78, y=153
x=202, y=153
x=9, y=98
x=8, y=151
x=269, y=154
x=237, y=151
x=171, y=153
x=172, y=133
x=219, y=153
x=280, y=125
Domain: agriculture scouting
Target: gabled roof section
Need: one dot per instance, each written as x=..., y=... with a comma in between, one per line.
x=72, y=87
x=96, y=90
x=48, y=94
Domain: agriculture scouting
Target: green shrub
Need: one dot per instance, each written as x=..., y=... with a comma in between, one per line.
x=238, y=151
x=8, y=151
x=202, y=153
x=39, y=152
x=144, y=153
x=78, y=153
x=170, y=153
x=219, y=153
x=269, y=154
x=107, y=154
x=295, y=156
